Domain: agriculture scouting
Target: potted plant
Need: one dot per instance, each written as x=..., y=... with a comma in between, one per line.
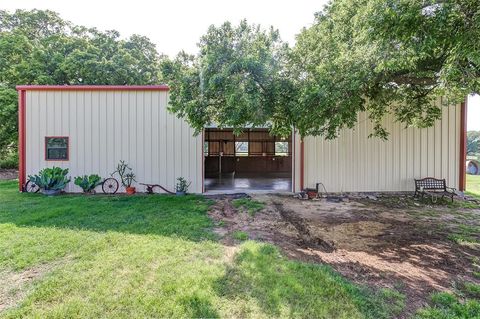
x=126, y=176
x=181, y=187
x=88, y=183
x=51, y=180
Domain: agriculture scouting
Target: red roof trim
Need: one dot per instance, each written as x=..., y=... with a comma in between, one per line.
x=94, y=87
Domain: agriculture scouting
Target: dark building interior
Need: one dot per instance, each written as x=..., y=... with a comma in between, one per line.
x=254, y=160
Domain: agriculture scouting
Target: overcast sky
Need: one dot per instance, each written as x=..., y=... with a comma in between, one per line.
x=178, y=24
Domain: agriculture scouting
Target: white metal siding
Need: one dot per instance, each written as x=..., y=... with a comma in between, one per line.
x=355, y=163
x=105, y=127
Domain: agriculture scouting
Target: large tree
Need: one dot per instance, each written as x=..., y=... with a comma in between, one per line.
x=237, y=80
x=39, y=47
x=378, y=56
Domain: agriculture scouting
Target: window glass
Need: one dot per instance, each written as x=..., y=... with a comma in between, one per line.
x=56, y=148
x=241, y=148
x=281, y=148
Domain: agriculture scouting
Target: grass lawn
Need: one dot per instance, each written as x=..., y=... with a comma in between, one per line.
x=155, y=256
x=473, y=185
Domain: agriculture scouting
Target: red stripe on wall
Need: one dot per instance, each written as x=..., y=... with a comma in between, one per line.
x=21, y=140
x=463, y=146
x=94, y=87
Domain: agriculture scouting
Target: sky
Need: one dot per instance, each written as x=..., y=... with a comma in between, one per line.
x=178, y=25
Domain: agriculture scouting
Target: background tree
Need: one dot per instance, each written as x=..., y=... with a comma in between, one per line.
x=385, y=57
x=39, y=47
x=237, y=80
x=473, y=142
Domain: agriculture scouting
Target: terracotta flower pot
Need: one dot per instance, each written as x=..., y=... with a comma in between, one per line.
x=130, y=190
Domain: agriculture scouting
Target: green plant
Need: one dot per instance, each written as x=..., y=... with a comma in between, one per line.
x=182, y=185
x=240, y=235
x=9, y=161
x=54, y=178
x=88, y=183
x=126, y=174
x=251, y=206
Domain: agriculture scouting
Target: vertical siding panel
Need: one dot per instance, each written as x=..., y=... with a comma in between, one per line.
x=151, y=165
x=110, y=114
x=452, y=141
x=94, y=149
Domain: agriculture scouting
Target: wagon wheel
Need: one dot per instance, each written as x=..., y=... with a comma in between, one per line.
x=31, y=187
x=110, y=186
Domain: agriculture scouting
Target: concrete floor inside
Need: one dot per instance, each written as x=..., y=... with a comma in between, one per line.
x=248, y=183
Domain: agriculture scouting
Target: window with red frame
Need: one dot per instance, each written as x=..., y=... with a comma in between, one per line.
x=56, y=148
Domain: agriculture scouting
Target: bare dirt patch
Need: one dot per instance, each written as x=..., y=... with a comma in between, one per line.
x=390, y=242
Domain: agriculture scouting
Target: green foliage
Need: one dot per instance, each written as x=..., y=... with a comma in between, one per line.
x=250, y=205
x=10, y=160
x=448, y=306
x=240, y=235
x=237, y=80
x=54, y=178
x=473, y=142
x=88, y=183
x=39, y=47
x=385, y=57
x=127, y=177
x=182, y=185
x=8, y=120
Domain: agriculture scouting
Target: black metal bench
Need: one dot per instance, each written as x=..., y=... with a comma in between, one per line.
x=433, y=186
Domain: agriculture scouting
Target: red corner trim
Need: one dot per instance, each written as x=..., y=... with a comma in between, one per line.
x=463, y=146
x=21, y=139
x=94, y=87
x=302, y=164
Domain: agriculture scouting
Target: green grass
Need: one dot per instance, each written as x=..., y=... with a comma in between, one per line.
x=155, y=256
x=466, y=234
x=240, y=235
x=473, y=185
x=248, y=204
x=452, y=306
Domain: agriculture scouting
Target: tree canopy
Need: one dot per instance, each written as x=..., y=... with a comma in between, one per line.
x=371, y=56
x=385, y=57
x=39, y=47
x=473, y=142
x=237, y=79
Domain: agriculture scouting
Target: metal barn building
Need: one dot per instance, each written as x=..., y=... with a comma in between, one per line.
x=89, y=129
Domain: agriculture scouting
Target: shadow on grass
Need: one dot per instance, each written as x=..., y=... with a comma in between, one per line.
x=281, y=287
x=164, y=215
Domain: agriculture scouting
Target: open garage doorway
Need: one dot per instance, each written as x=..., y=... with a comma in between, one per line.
x=252, y=161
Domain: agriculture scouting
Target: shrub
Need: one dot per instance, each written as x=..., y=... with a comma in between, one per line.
x=9, y=161
x=88, y=183
x=126, y=174
x=54, y=178
x=182, y=185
